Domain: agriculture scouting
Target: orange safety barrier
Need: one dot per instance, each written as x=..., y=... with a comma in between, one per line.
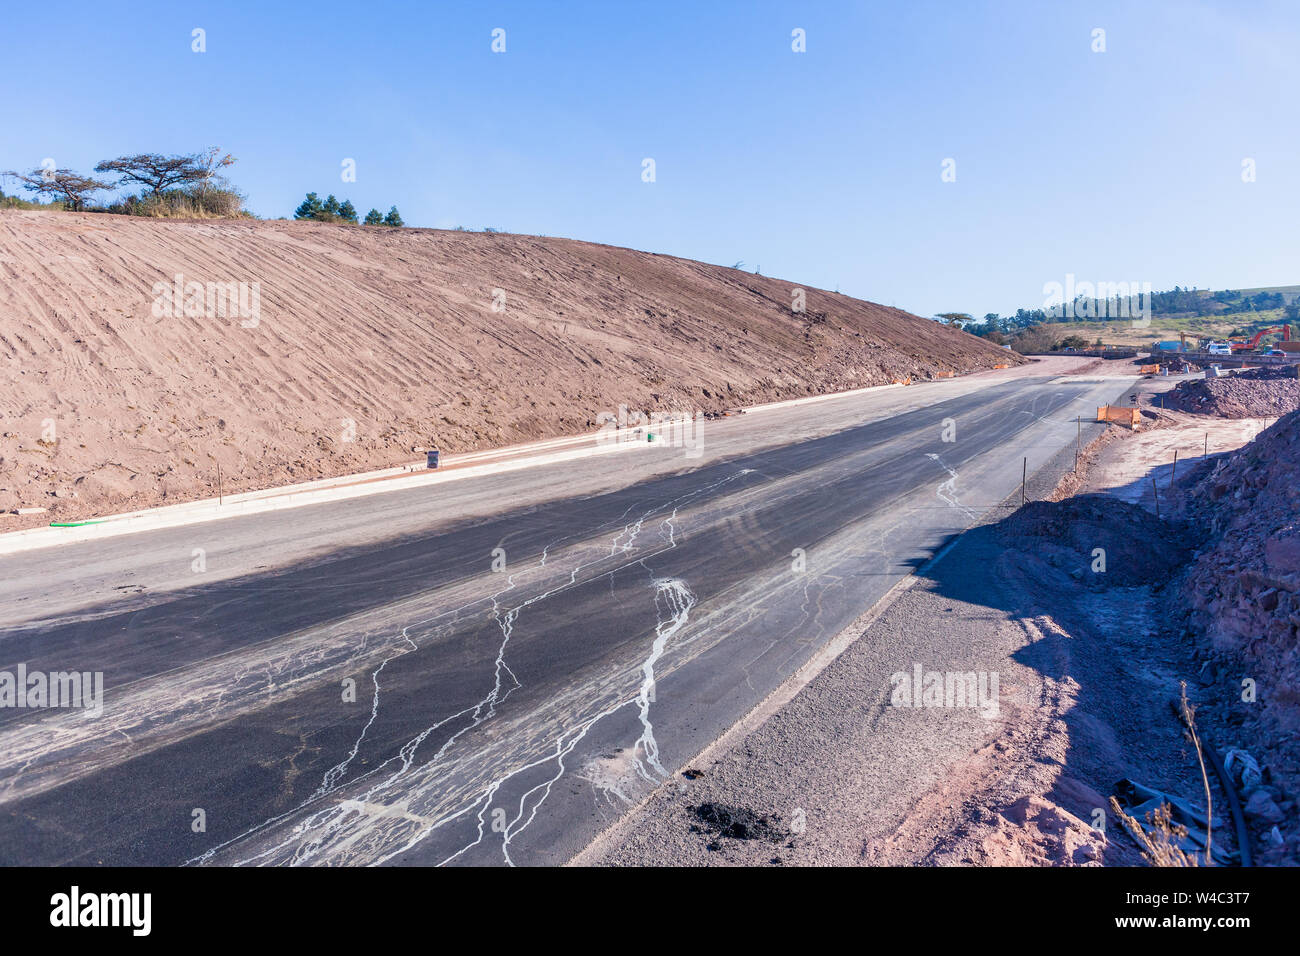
x=1149, y=370
x=944, y=374
x=1119, y=413
x=1002, y=365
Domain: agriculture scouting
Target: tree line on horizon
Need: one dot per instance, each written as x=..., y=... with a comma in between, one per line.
x=186, y=185
x=1175, y=302
x=183, y=185
x=330, y=209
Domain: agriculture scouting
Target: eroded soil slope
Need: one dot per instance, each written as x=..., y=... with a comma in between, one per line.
x=369, y=342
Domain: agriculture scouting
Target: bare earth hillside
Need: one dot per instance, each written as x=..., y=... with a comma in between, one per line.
x=358, y=344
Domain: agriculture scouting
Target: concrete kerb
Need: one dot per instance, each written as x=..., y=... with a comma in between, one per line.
x=263, y=501
x=355, y=485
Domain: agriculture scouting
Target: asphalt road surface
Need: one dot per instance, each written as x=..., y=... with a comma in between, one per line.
x=488, y=671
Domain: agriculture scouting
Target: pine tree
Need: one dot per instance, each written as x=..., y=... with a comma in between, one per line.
x=330, y=209
x=310, y=208
x=348, y=212
x=394, y=218
x=374, y=218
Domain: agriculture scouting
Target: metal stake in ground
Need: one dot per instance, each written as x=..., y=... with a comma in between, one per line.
x=1024, y=473
x=1173, y=474
x=1156, y=493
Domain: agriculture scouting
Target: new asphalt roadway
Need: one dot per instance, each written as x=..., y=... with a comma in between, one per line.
x=486, y=671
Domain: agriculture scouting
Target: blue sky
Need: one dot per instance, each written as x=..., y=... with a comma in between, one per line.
x=820, y=167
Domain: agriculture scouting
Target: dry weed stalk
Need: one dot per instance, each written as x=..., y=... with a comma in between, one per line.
x=1162, y=849
x=1188, y=713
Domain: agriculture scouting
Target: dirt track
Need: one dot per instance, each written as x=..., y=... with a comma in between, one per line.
x=369, y=342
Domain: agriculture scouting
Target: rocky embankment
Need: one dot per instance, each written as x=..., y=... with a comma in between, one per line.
x=1254, y=393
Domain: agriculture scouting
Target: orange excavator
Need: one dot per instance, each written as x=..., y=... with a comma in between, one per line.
x=1254, y=341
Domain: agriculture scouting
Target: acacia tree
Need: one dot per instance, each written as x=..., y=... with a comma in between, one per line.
x=157, y=172
x=152, y=170
x=73, y=188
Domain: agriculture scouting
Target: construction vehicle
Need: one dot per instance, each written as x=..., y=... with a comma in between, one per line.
x=1254, y=341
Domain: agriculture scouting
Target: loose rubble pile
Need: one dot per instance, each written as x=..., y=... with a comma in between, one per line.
x=1254, y=393
x=1235, y=599
x=1243, y=596
x=1127, y=545
x=1246, y=587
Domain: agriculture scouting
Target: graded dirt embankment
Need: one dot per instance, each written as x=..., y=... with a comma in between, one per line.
x=355, y=345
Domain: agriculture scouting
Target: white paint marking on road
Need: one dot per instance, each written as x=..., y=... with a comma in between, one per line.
x=947, y=490
x=680, y=600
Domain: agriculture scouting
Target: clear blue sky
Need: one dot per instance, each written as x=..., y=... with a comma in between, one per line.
x=821, y=167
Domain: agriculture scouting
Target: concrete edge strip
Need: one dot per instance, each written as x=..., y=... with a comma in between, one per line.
x=359, y=484
x=341, y=487
x=16, y=542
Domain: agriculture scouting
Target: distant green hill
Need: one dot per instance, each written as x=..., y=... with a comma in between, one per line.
x=1286, y=290
x=1202, y=312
